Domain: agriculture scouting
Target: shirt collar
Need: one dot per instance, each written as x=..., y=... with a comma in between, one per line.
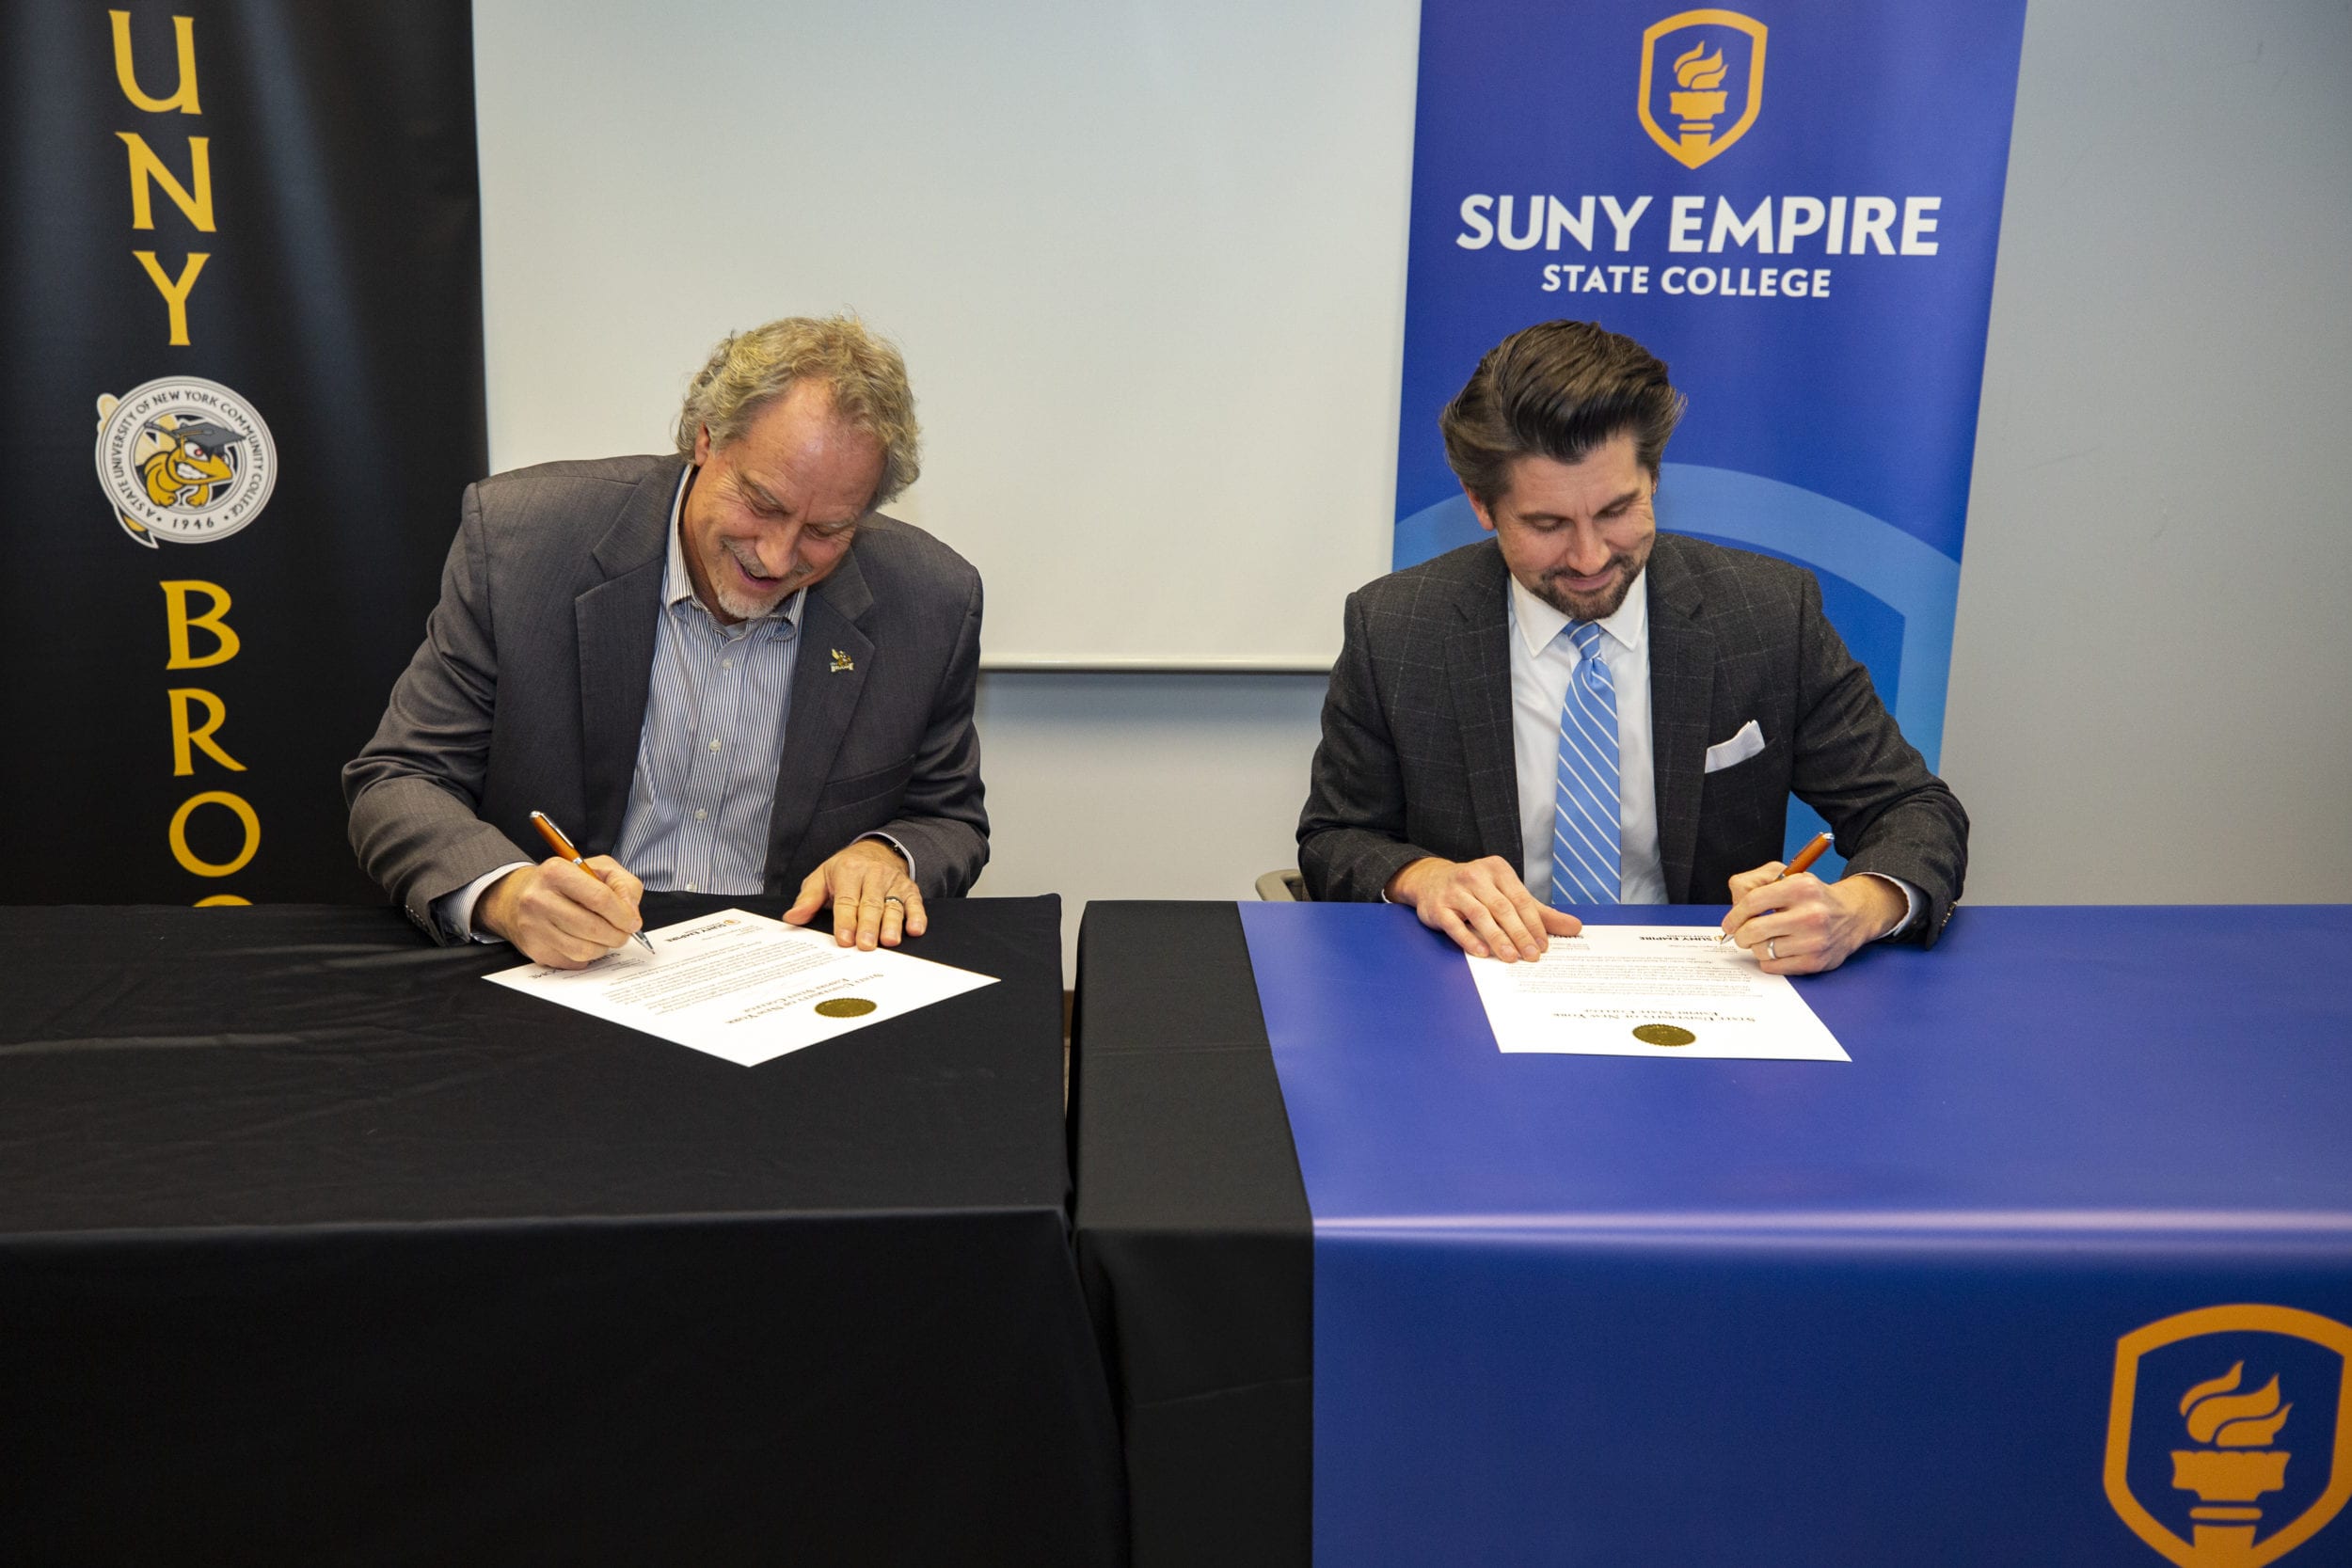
x=677, y=583
x=1538, y=623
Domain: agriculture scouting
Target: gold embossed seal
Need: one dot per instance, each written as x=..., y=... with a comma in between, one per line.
x=1663, y=1033
x=845, y=1006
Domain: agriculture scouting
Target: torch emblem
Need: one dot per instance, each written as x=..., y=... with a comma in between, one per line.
x=1701, y=82
x=2230, y=1432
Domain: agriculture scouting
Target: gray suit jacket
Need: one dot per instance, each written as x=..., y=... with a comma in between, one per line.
x=530, y=691
x=1417, y=757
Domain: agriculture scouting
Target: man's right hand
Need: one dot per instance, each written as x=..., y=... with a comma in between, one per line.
x=1482, y=905
x=559, y=915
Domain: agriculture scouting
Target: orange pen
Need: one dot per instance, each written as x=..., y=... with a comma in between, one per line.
x=1806, y=857
x=561, y=846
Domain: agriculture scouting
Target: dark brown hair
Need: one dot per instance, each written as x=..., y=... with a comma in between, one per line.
x=1557, y=390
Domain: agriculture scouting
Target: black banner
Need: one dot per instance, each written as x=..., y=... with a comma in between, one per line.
x=241, y=392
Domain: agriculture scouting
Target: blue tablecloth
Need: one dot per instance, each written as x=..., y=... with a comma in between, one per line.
x=1612, y=1310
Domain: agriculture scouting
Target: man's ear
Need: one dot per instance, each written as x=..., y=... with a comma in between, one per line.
x=702, y=445
x=1486, y=519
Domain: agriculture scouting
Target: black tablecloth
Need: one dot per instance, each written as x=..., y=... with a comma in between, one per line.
x=315, y=1247
x=1194, y=1236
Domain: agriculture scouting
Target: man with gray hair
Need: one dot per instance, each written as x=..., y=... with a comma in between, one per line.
x=719, y=670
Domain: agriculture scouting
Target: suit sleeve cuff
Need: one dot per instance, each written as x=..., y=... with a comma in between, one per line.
x=453, y=911
x=905, y=853
x=1914, y=901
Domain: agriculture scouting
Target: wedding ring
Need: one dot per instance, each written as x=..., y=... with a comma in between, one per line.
x=1771, y=951
x=894, y=898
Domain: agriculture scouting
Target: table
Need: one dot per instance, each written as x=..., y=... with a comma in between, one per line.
x=1194, y=1236
x=1587, y=1309
x=314, y=1247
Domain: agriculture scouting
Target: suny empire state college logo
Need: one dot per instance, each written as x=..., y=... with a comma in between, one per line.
x=184, y=459
x=1702, y=75
x=2230, y=1432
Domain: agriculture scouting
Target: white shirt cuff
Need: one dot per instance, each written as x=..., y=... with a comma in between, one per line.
x=453, y=911
x=1913, y=899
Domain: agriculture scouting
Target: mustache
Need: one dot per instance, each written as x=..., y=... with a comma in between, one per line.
x=1615, y=562
x=752, y=568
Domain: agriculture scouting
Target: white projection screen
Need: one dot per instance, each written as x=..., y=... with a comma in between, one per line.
x=1146, y=261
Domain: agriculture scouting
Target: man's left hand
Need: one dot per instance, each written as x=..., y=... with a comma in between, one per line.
x=1801, y=924
x=874, y=900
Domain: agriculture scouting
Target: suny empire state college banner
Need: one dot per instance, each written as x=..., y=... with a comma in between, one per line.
x=1795, y=206
x=242, y=387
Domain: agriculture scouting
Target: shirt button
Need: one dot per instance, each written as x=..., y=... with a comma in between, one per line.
x=727, y=664
x=700, y=813
x=714, y=742
x=690, y=887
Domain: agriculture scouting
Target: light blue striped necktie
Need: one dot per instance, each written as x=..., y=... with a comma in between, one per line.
x=1584, y=820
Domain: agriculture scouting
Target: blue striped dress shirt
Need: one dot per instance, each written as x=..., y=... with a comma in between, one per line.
x=713, y=737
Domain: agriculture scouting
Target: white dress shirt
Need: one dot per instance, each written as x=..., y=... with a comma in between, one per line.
x=1542, y=663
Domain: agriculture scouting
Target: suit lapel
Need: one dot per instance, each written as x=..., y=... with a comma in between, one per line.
x=1478, y=669
x=1682, y=691
x=829, y=675
x=615, y=621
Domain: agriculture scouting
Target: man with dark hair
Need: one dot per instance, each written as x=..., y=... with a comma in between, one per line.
x=1580, y=711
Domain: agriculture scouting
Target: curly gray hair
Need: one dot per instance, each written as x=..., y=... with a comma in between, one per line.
x=863, y=371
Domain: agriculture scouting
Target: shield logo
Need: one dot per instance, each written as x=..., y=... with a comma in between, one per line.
x=2230, y=1432
x=1701, y=82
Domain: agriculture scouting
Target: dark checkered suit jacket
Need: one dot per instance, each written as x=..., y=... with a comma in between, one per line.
x=1417, y=751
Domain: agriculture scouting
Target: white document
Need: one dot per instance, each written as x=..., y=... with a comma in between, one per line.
x=1649, y=991
x=744, y=987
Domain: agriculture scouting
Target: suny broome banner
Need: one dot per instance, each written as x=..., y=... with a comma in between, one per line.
x=243, y=392
x=1796, y=205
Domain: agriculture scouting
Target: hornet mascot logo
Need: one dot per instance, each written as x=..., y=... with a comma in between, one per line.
x=190, y=460
x=183, y=460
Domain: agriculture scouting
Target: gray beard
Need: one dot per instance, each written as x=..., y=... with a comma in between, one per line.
x=744, y=608
x=747, y=609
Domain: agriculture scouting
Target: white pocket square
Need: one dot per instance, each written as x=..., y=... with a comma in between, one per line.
x=1725, y=753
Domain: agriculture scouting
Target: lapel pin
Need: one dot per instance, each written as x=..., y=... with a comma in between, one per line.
x=841, y=661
